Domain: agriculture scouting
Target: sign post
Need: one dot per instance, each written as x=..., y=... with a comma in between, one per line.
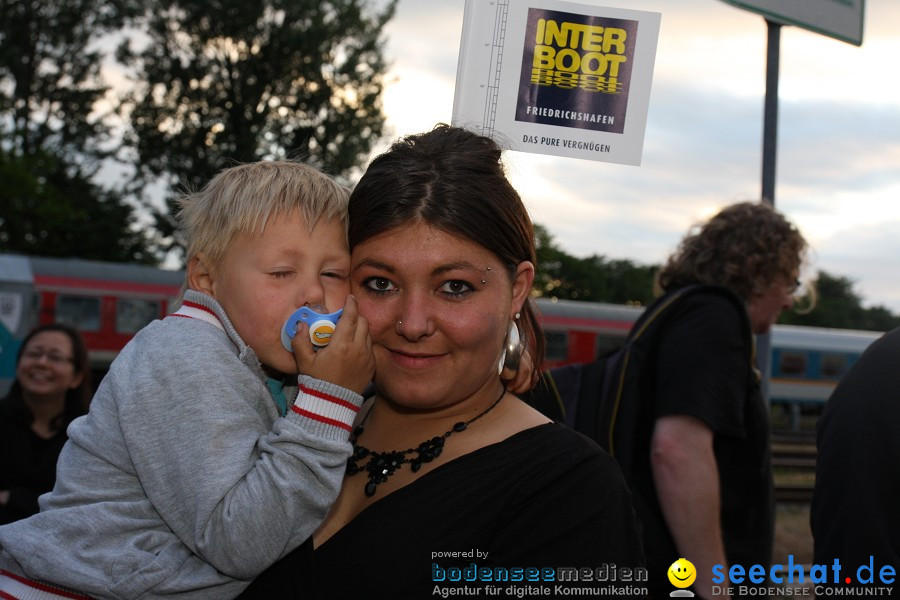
x=839, y=19
x=770, y=112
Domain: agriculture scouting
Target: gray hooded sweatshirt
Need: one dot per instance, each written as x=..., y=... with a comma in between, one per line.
x=183, y=481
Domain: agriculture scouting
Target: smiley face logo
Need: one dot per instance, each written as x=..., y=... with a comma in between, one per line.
x=682, y=573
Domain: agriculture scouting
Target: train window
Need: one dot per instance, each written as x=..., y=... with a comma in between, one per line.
x=81, y=312
x=133, y=314
x=834, y=365
x=557, y=345
x=793, y=363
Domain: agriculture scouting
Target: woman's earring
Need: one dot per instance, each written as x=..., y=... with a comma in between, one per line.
x=513, y=348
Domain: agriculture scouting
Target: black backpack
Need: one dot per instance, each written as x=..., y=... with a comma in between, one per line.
x=603, y=398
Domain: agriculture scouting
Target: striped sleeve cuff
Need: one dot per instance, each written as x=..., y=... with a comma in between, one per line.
x=325, y=408
x=17, y=586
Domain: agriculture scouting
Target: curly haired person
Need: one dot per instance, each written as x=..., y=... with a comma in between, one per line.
x=702, y=474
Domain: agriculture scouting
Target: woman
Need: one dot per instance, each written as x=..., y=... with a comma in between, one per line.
x=52, y=387
x=451, y=473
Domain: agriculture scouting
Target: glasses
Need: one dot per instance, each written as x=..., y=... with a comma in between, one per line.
x=52, y=357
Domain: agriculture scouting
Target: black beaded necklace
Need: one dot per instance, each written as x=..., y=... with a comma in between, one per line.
x=382, y=465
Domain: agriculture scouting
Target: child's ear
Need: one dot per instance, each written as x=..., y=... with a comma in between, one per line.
x=200, y=274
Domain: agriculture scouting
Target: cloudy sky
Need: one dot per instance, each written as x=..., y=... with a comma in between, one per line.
x=838, y=169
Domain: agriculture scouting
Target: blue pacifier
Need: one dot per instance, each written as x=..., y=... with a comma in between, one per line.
x=321, y=326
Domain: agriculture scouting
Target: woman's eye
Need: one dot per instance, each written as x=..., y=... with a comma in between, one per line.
x=379, y=284
x=456, y=287
x=334, y=274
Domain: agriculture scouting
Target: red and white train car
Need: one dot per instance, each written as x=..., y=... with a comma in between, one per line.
x=110, y=302
x=107, y=302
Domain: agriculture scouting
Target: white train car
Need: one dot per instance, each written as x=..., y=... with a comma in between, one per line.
x=806, y=363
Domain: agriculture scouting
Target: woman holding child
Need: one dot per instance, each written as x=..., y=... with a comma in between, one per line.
x=450, y=471
x=203, y=460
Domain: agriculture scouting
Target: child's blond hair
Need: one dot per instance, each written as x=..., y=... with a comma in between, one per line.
x=242, y=199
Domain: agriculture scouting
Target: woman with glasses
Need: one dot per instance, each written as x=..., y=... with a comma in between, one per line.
x=52, y=387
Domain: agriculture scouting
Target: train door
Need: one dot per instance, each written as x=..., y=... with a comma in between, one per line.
x=16, y=313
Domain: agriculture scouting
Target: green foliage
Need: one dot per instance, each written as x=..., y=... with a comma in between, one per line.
x=839, y=306
x=228, y=81
x=47, y=210
x=598, y=279
x=52, y=134
x=50, y=74
x=591, y=279
x=214, y=83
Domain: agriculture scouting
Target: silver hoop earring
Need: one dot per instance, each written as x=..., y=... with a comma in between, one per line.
x=513, y=348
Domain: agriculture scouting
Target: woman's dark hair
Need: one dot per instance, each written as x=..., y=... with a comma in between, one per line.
x=453, y=180
x=77, y=398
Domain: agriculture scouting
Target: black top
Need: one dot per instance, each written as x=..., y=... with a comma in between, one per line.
x=703, y=367
x=546, y=497
x=27, y=461
x=855, y=512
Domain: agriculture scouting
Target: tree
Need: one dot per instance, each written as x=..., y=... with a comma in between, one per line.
x=630, y=283
x=591, y=279
x=226, y=81
x=52, y=135
x=598, y=279
x=839, y=306
x=49, y=211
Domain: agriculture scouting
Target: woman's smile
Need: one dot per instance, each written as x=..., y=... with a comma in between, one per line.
x=415, y=360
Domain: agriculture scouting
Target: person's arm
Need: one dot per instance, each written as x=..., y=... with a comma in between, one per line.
x=687, y=483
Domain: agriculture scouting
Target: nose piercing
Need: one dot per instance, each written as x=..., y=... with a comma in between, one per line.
x=399, y=322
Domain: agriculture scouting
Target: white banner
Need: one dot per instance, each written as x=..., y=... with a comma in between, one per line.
x=558, y=78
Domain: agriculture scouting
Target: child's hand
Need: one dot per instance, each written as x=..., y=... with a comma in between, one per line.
x=347, y=360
